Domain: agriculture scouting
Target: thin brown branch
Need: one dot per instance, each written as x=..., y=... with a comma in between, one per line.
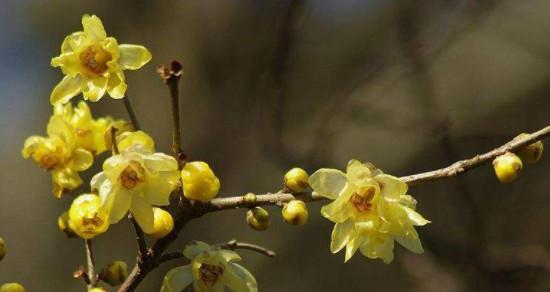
x=91, y=275
x=171, y=76
x=234, y=244
x=140, y=236
x=131, y=112
x=174, y=255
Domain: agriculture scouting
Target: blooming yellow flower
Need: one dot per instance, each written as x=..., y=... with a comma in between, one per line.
x=136, y=180
x=59, y=154
x=371, y=210
x=85, y=218
x=211, y=269
x=93, y=63
x=199, y=181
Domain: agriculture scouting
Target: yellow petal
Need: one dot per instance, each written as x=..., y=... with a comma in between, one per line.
x=177, y=279
x=228, y=255
x=133, y=56
x=94, y=89
x=328, y=182
x=391, y=188
x=341, y=235
x=65, y=179
x=82, y=159
x=358, y=173
x=130, y=139
x=93, y=28
x=352, y=246
x=237, y=278
x=73, y=42
x=160, y=162
x=116, y=88
x=114, y=201
x=338, y=211
x=411, y=243
x=415, y=217
x=57, y=127
x=65, y=90
x=31, y=144
x=195, y=248
x=160, y=186
x=379, y=247
x=143, y=213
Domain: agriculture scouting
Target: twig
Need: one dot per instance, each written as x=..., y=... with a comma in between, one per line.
x=234, y=244
x=171, y=76
x=91, y=275
x=131, y=112
x=140, y=236
x=170, y=256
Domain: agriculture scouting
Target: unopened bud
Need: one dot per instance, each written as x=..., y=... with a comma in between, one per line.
x=63, y=224
x=249, y=199
x=12, y=287
x=296, y=180
x=258, y=218
x=114, y=273
x=2, y=248
x=532, y=152
x=507, y=167
x=295, y=213
x=163, y=223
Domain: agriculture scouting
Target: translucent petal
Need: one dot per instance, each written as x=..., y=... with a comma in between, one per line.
x=73, y=42
x=97, y=180
x=411, y=242
x=408, y=201
x=160, y=162
x=31, y=144
x=93, y=28
x=239, y=279
x=133, y=56
x=328, y=182
x=195, y=248
x=352, y=246
x=338, y=211
x=58, y=128
x=129, y=139
x=160, y=186
x=415, y=217
x=341, y=235
x=177, y=279
x=114, y=201
x=65, y=90
x=379, y=247
x=143, y=213
x=229, y=255
x=391, y=188
x=65, y=179
x=358, y=173
x=82, y=159
x=116, y=87
x=94, y=88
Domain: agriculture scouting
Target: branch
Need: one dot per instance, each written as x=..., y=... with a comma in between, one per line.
x=131, y=112
x=171, y=76
x=140, y=236
x=91, y=275
x=234, y=244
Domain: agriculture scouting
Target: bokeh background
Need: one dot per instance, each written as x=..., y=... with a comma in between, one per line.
x=268, y=85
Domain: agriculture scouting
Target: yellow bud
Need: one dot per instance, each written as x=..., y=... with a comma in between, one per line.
x=296, y=180
x=295, y=213
x=507, y=167
x=2, y=248
x=63, y=224
x=163, y=223
x=114, y=273
x=249, y=199
x=97, y=289
x=121, y=127
x=258, y=218
x=84, y=216
x=12, y=287
x=532, y=152
x=199, y=181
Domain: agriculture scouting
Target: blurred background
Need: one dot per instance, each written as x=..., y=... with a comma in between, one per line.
x=268, y=85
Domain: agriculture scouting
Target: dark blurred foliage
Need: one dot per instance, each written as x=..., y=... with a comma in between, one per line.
x=408, y=85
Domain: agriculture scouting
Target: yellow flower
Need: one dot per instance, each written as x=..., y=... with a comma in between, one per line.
x=85, y=218
x=89, y=132
x=199, y=181
x=59, y=154
x=93, y=63
x=211, y=269
x=371, y=210
x=136, y=180
x=12, y=287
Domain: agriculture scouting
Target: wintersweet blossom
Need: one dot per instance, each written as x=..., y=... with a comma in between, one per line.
x=211, y=269
x=371, y=211
x=93, y=63
x=85, y=218
x=136, y=180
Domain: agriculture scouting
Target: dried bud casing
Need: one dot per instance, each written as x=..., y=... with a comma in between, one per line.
x=258, y=218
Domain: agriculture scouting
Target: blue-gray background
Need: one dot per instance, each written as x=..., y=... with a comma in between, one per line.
x=268, y=85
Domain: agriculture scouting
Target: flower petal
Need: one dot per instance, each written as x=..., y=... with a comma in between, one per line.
x=415, y=217
x=143, y=213
x=338, y=211
x=341, y=235
x=65, y=90
x=379, y=247
x=93, y=89
x=82, y=159
x=160, y=162
x=328, y=182
x=93, y=28
x=391, y=188
x=116, y=87
x=133, y=56
x=411, y=242
x=72, y=42
x=129, y=139
x=195, y=248
x=65, y=179
x=160, y=186
x=96, y=181
x=229, y=255
x=177, y=279
x=239, y=279
x=352, y=246
x=114, y=201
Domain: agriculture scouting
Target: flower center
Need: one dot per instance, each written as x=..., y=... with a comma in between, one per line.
x=94, y=58
x=210, y=274
x=49, y=161
x=132, y=175
x=362, y=199
x=95, y=220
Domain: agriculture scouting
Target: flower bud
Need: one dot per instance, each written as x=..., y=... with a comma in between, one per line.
x=12, y=287
x=532, y=152
x=296, y=180
x=84, y=217
x=249, y=199
x=507, y=167
x=163, y=223
x=63, y=224
x=121, y=127
x=2, y=248
x=295, y=213
x=199, y=181
x=258, y=218
x=114, y=273
x=97, y=289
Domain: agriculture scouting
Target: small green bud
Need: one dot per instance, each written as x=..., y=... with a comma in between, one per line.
x=114, y=273
x=296, y=180
x=532, y=152
x=12, y=287
x=258, y=218
x=249, y=199
x=63, y=224
x=2, y=248
x=507, y=167
x=295, y=213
